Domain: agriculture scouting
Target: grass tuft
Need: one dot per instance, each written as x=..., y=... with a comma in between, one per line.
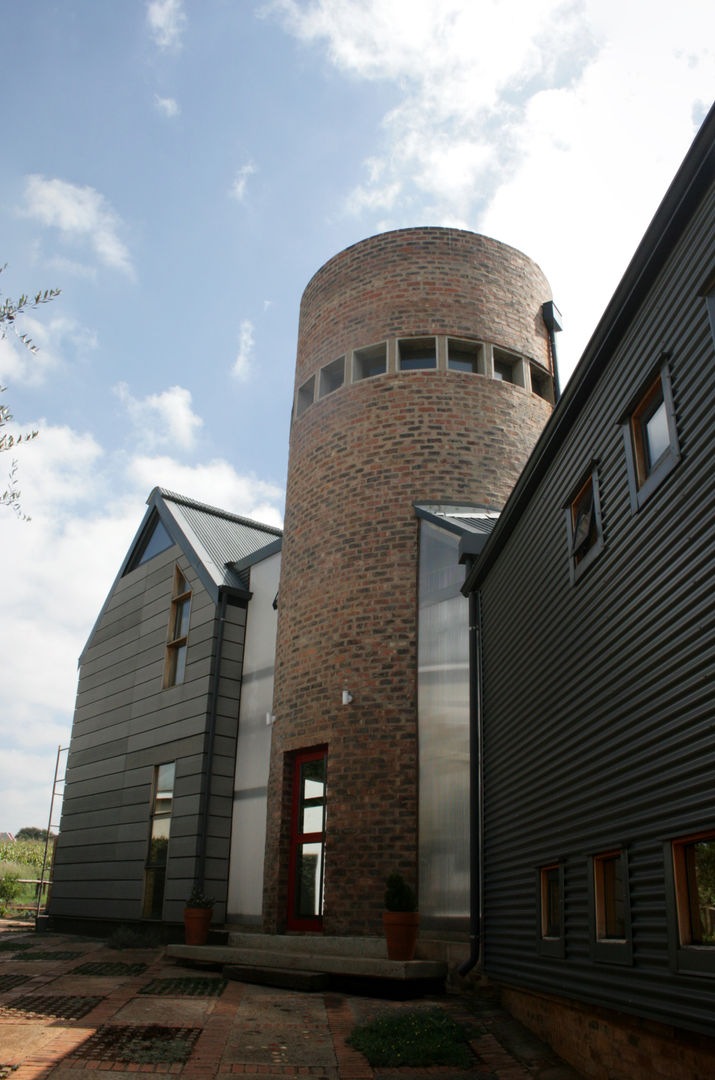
x=418, y=1037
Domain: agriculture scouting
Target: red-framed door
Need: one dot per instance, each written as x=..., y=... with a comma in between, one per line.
x=307, y=840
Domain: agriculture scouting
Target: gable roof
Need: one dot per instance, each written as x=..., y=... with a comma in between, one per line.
x=220, y=546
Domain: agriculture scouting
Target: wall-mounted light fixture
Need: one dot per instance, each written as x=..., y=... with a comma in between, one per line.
x=347, y=697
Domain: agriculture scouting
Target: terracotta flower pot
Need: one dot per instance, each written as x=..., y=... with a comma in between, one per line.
x=196, y=925
x=401, y=928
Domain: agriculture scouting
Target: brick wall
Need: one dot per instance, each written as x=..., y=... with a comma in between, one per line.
x=607, y=1045
x=359, y=459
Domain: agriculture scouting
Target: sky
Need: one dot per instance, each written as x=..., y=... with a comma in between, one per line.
x=180, y=169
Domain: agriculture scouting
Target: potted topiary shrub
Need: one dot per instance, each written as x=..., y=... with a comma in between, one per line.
x=197, y=916
x=401, y=919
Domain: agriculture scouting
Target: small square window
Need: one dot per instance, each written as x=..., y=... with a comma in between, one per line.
x=465, y=356
x=583, y=525
x=651, y=438
x=692, y=863
x=332, y=377
x=369, y=362
x=416, y=354
x=550, y=891
x=610, y=908
x=542, y=384
x=504, y=365
x=305, y=396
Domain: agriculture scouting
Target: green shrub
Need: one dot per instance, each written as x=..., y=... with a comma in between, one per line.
x=399, y=896
x=418, y=1037
x=10, y=889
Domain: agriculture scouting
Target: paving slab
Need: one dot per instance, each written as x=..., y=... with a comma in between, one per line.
x=184, y=1012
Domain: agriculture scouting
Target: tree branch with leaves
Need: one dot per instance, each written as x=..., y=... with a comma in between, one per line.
x=9, y=311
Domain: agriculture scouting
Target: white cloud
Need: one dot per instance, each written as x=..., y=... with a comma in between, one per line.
x=166, y=21
x=242, y=364
x=55, y=339
x=79, y=213
x=553, y=126
x=162, y=419
x=57, y=569
x=217, y=482
x=166, y=105
x=238, y=187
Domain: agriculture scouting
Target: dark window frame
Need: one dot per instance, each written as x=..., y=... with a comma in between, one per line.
x=644, y=477
x=548, y=943
x=604, y=949
x=686, y=956
x=582, y=556
x=155, y=868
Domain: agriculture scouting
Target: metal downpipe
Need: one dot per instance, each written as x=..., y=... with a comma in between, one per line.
x=203, y=835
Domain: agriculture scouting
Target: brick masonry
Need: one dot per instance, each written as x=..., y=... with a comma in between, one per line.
x=359, y=459
x=608, y=1045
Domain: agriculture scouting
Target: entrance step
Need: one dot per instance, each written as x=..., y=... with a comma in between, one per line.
x=286, y=979
x=360, y=958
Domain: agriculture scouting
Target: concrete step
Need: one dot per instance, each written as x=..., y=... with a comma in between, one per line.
x=286, y=979
x=318, y=959
x=310, y=943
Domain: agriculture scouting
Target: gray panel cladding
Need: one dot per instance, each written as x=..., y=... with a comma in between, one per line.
x=598, y=695
x=126, y=724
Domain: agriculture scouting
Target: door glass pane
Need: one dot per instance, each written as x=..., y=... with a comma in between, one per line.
x=308, y=884
x=312, y=819
x=313, y=779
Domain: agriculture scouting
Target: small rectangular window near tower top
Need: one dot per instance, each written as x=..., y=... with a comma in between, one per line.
x=369, y=362
x=415, y=354
x=332, y=377
x=465, y=356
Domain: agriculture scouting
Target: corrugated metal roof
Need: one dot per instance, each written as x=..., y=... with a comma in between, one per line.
x=218, y=538
x=460, y=519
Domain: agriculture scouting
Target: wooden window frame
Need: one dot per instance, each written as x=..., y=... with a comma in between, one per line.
x=609, y=950
x=549, y=944
x=181, y=594
x=580, y=558
x=645, y=477
x=686, y=955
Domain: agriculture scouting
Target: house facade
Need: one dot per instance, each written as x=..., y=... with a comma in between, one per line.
x=149, y=794
x=595, y=603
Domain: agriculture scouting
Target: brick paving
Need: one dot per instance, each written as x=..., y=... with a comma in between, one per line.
x=208, y=1029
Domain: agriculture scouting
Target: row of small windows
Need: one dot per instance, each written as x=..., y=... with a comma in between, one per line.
x=419, y=354
x=651, y=450
x=690, y=887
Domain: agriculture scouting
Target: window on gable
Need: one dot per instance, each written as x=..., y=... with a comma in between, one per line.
x=550, y=886
x=651, y=438
x=177, y=644
x=154, y=540
x=583, y=523
x=610, y=908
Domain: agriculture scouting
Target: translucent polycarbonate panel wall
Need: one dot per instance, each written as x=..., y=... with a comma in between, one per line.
x=248, y=836
x=443, y=695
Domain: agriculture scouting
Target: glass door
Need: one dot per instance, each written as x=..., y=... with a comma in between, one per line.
x=307, y=846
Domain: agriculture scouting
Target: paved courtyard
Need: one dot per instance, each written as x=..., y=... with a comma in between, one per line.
x=70, y=1005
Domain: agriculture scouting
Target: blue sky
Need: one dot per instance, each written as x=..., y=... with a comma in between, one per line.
x=181, y=169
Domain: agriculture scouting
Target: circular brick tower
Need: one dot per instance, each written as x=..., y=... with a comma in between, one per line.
x=423, y=375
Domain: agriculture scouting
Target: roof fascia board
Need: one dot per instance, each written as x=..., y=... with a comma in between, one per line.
x=257, y=556
x=690, y=184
